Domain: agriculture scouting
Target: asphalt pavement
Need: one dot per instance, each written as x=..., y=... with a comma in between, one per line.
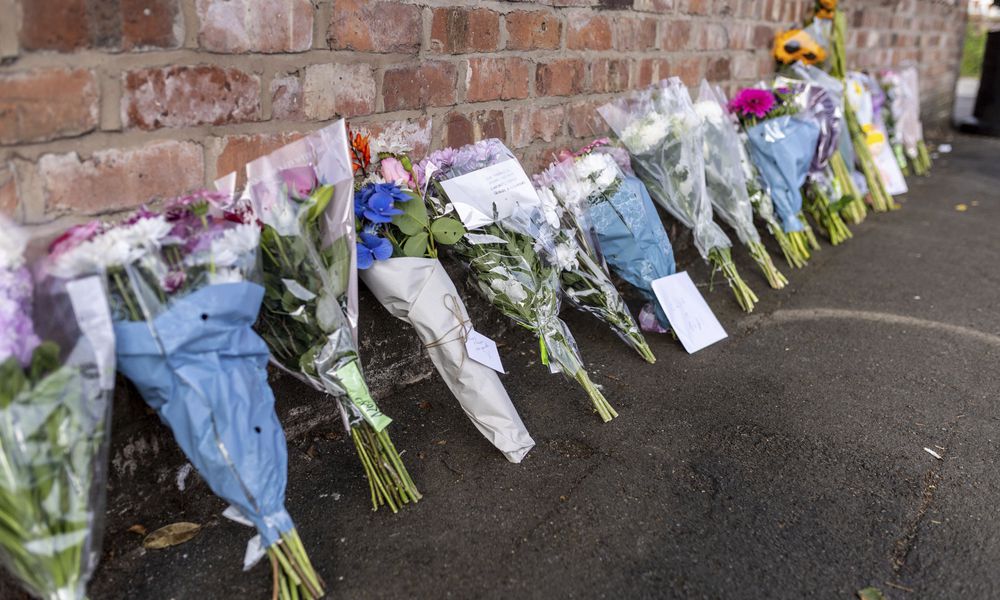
x=788, y=461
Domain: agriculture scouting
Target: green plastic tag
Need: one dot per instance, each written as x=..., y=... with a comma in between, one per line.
x=357, y=391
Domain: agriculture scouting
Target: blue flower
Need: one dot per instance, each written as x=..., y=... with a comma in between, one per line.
x=371, y=248
x=376, y=202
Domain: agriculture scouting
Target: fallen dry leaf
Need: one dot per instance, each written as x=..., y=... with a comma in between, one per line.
x=871, y=593
x=138, y=529
x=171, y=535
x=961, y=207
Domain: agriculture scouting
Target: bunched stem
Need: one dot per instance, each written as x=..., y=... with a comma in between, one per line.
x=760, y=255
x=601, y=404
x=789, y=248
x=388, y=480
x=722, y=260
x=829, y=220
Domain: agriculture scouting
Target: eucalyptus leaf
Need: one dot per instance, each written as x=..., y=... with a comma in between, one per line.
x=447, y=231
x=416, y=246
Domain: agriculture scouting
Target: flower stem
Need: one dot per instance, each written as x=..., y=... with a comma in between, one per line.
x=788, y=247
x=760, y=255
x=722, y=260
x=601, y=404
x=829, y=221
x=389, y=481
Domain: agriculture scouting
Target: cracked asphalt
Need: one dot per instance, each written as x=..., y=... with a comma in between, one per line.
x=787, y=461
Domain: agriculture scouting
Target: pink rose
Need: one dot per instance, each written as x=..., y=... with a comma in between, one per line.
x=393, y=172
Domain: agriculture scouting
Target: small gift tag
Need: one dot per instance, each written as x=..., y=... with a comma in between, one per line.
x=690, y=317
x=483, y=350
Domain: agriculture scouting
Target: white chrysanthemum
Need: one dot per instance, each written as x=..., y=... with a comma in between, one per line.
x=12, y=244
x=113, y=248
x=709, y=111
x=606, y=178
x=565, y=256
x=589, y=165
x=510, y=288
x=550, y=207
x=146, y=233
x=645, y=133
x=235, y=244
x=225, y=276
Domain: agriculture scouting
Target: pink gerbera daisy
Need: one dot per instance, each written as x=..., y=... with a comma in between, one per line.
x=753, y=102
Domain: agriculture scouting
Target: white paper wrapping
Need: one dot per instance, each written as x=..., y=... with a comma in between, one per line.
x=417, y=290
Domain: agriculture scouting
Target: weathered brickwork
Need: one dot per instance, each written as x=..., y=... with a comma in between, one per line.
x=105, y=105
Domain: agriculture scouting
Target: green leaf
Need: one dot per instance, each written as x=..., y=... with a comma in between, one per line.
x=447, y=231
x=321, y=197
x=415, y=209
x=416, y=246
x=871, y=593
x=45, y=360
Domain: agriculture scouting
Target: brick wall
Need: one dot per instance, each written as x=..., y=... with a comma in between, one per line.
x=105, y=104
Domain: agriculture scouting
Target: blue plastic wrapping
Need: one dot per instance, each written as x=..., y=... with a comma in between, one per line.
x=783, y=149
x=633, y=240
x=201, y=366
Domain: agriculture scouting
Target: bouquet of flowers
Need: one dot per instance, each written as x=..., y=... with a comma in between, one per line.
x=867, y=99
x=55, y=420
x=847, y=182
x=592, y=186
x=903, y=119
x=398, y=261
x=183, y=300
x=585, y=279
x=664, y=135
x=303, y=195
x=825, y=197
x=725, y=183
x=832, y=22
x=782, y=147
x=487, y=188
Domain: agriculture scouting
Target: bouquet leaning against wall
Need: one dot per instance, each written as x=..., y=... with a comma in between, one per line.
x=628, y=230
x=184, y=297
x=485, y=186
x=664, y=136
x=725, y=183
x=56, y=380
x=398, y=250
x=303, y=194
x=782, y=148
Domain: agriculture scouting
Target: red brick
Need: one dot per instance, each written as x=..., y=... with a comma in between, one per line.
x=497, y=79
x=533, y=30
x=584, y=120
x=719, y=69
x=237, y=26
x=530, y=124
x=696, y=7
x=689, y=69
x=430, y=83
x=460, y=30
x=117, y=179
x=237, y=150
x=43, y=104
x=763, y=36
x=714, y=36
x=67, y=25
x=374, y=26
x=636, y=34
x=8, y=191
x=675, y=35
x=330, y=90
x=588, y=32
x=412, y=137
x=562, y=77
x=645, y=73
x=461, y=129
x=609, y=74
x=183, y=96
x=286, y=98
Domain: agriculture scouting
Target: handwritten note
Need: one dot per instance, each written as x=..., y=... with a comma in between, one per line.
x=483, y=350
x=504, y=185
x=690, y=317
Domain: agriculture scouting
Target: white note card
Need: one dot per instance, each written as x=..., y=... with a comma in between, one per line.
x=504, y=185
x=483, y=350
x=691, y=318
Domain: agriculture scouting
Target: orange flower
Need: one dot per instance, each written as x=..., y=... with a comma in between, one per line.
x=825, y=9
x=362, y=152
x=797, y=45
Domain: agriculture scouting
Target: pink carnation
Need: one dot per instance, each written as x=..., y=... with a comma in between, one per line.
x=753, y=102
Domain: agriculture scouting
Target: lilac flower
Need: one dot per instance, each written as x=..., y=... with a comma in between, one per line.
x=371, y=248
x=300, y=181
x=17, y=333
